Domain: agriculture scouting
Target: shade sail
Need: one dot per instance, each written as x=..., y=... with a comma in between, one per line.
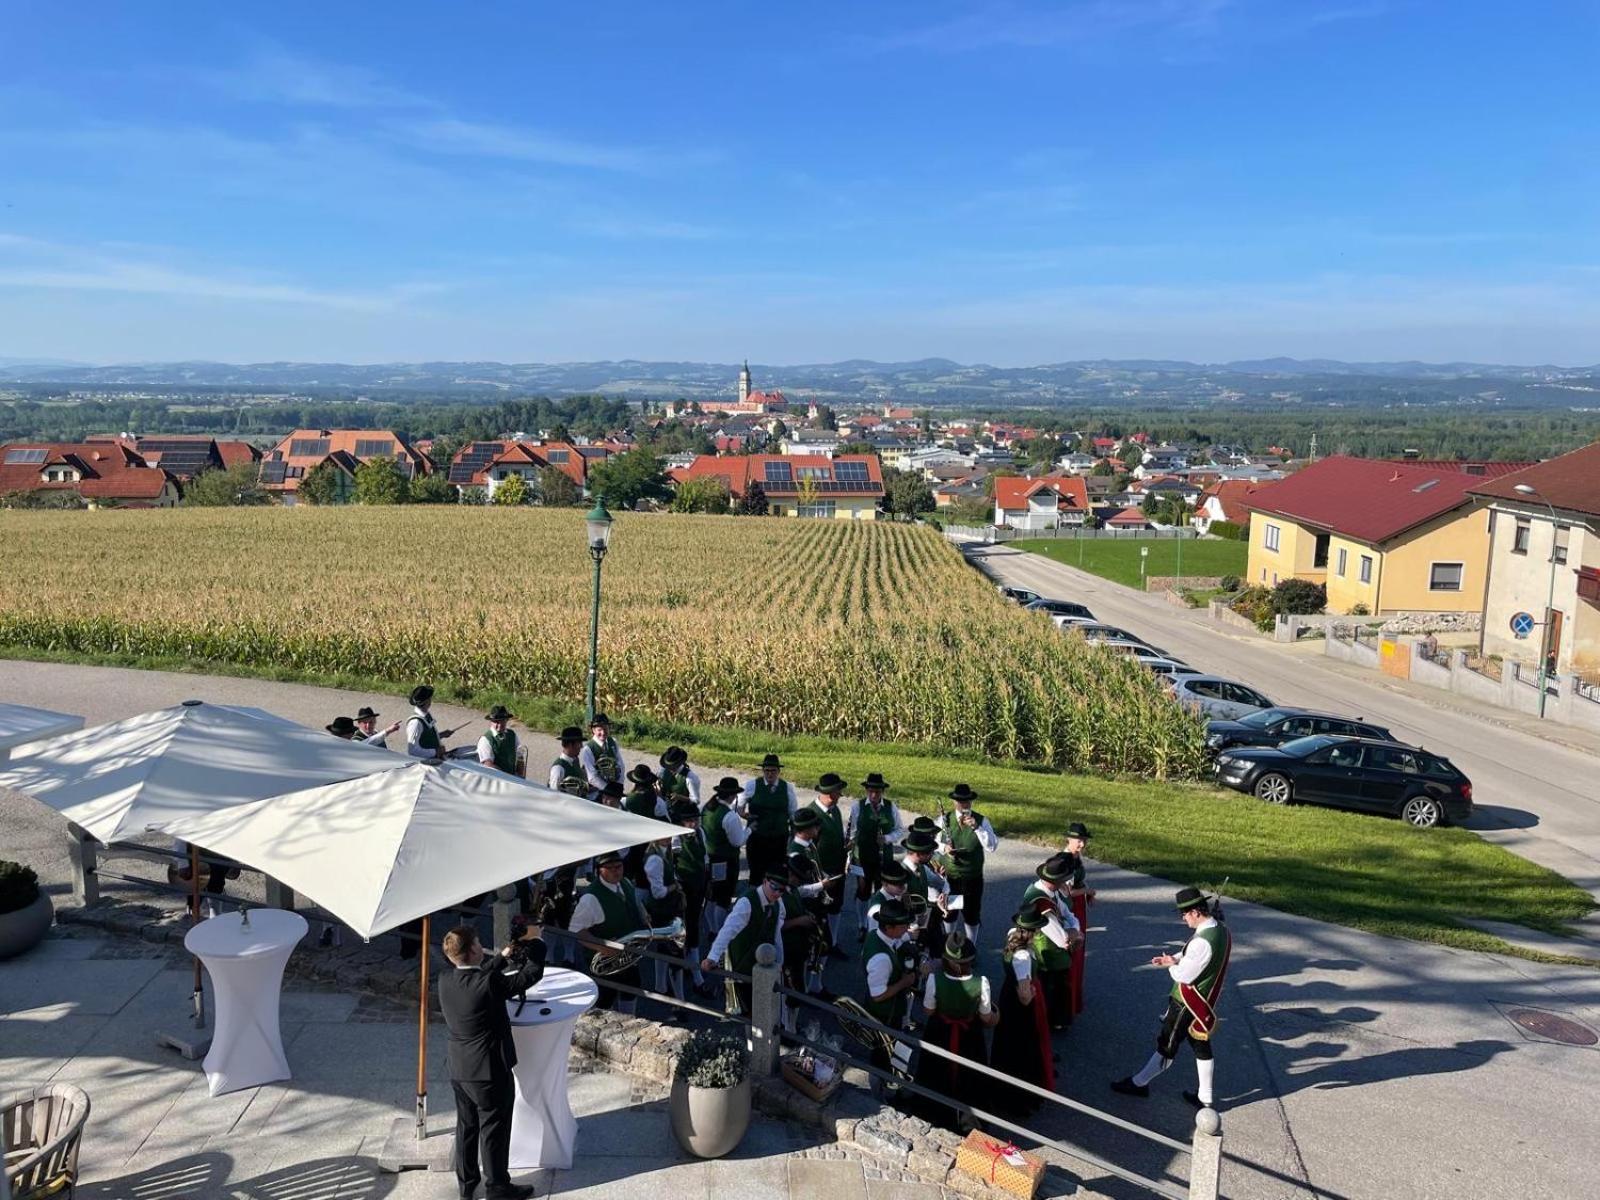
x=20, y=724
x=388, y=848
x=133, y=776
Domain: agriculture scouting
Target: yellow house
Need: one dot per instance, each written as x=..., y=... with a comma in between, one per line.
x=1388, y=537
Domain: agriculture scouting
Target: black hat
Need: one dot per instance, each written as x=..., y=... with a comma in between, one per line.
x=830, y=783
x=641, y=774
x=497, y=713
x=924, y=825
x=893, y=871
x=599, y=719
x=959, y=953
x=365, y=713
x=806, y=818
x=1030, y=919
x=1055, y=869
x=571, y=734
x=609, y=858
x=920, y=843
x=1190, y=897
x=421, y=695
x=727, y=786
x=680, y=811
x=962, y=794
x=892, y=912
x=1078, y=830
x=613, y=787
x=771, y=763
x=341, y=727
x=674, y=757
x=777, y=875
x=874, y=782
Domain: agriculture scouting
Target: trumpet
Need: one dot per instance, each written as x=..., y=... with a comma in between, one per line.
x=634, y=945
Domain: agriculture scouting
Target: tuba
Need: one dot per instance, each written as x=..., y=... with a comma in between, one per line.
x=849, y=1012
x=634, y=945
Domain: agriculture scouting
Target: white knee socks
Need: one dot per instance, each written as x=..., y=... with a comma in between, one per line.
x=972, y=933
x=1206, y=1069
x=1151, y=1069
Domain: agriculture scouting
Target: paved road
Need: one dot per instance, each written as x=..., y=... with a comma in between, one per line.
x=1538, y=797
x=1351, y=1065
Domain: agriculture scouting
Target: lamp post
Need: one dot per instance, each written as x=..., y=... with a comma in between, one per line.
x=1527, y=489
x=598, y=522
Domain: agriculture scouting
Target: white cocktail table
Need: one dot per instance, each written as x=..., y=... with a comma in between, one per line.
x=246, y=968
x=543, y=1129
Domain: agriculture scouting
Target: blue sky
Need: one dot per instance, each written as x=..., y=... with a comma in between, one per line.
x=1001, y=181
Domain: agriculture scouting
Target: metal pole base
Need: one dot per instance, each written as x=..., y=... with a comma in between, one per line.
x=403, y=1151
x=192, y=1046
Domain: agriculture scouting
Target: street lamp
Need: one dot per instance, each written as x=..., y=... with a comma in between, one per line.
x=1527, y=489
x=598, y=523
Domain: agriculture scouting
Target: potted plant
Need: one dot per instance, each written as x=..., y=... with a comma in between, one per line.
x=710, y=1105
x=25, y=911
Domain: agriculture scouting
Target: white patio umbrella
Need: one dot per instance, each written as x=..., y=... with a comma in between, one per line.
x=20, y=724
x=386, y=849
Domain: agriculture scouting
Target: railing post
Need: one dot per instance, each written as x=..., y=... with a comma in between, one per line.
x=1205, y=1160
x=279, y=894
x=85, y=879
x=501, y=911
x=765, y=1006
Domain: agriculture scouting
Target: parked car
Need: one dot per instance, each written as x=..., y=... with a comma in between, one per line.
x=1060, y=608
x=1366, y=774
x=1137, y=650
x=1274, y=726
x=1095, y=631
x=1021, y=595
x=1169, y=668
x=1218, y=697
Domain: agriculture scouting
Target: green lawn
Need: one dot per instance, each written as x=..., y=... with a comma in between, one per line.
x=1348, y=868
x=1118, y=559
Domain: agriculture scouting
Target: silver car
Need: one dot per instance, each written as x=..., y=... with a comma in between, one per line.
x=1217, y=697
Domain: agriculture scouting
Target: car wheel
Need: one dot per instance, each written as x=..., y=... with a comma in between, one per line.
x=1422, y=811
x=1274, y=788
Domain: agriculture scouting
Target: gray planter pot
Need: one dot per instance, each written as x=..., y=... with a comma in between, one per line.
x=709, y=1122
x=24, y=929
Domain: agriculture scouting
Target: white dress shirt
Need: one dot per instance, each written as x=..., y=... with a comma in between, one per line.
x=894, y=837
x=556, y=773
x=1196, y=956
x=587, y=913
x=1057, y=923
x=738, y=918
x=415, y=724
x=985, y=831
x=750, y=791
x=592, y=772
x=655, y=871
x=486, y=750
x=880, y=966
x=930, y=992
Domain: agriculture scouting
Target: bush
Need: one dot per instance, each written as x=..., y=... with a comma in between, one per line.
x=1255, y=605
x=19, y=887
x=712, y=1059
x=1228, y=530
x=511, y=490
x=1299, y=597
x=1229, y=583
x=1360, y=610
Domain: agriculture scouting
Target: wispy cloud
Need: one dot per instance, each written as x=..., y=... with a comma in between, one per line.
x=274, y=74
x=1033, y=26
x=451, y=135
x=636, y=228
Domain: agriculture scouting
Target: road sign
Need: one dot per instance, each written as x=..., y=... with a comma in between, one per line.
x=1522, y=624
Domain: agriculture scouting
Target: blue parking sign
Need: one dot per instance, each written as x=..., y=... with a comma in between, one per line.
x=1522, y=624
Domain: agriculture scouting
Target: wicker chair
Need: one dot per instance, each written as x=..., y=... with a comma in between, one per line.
x=42, y=1127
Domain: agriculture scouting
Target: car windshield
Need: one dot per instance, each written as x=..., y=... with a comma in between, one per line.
x=1261, y=718
x=1300, y=747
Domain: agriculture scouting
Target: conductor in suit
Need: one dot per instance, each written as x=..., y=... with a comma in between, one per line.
x=481, y=1054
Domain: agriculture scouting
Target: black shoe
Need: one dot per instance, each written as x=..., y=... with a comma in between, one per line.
x=466, y=1193
x=1128, y=1087
x=516, y=1191
x=1193, y=1098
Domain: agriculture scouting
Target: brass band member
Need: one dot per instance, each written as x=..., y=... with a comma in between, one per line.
x=367, y=729
x=965, y=837
x=725, y=832
x=1047, y=896
x=678, y=779
x=890, y=961
x=601, y=757
x=693, y=869
x=610, y=908
x=755, y=919
x=873, y=831
x=769, y=802
x=833, y=853
x=424, y=738
x=497, y=748
x=566, y=772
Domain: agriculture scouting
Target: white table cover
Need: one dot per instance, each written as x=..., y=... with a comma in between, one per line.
x=543, y=1129
x=246, y=969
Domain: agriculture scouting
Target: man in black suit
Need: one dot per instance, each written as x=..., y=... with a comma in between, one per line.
x=481, y=1054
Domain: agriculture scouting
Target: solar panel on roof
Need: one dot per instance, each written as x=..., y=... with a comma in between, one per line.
x=850, y=471
x=308, y=447
x=461, y=473
x=17, y=458
x=374, y=447
x=272, y=471
x=778, y=472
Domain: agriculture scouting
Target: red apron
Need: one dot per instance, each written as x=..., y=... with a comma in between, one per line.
x=1080, y=909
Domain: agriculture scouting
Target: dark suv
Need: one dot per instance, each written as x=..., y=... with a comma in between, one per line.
x=1060, y=608
x=1274, y=726
x=1366, y=774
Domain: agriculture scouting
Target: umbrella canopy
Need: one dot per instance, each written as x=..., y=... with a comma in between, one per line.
x=133, y=776
x=20, y=724
x=385, y=849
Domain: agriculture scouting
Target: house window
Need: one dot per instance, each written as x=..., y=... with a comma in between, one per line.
x=1319, y=554
x=1519, y=540
x=1366, y=568
x=822, y=508
x=1558, y=548
x=1444, y=577
x=1344, y=559
x=1270, y=538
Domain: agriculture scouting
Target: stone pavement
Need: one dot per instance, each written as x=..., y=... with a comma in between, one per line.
x=84, y=1008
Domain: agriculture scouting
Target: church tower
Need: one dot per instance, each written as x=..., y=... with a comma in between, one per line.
x=744, y=382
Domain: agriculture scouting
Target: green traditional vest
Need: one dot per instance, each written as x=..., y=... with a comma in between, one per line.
x=1051, y=956
x=1217, y=938
x=573, y=780
x=641, y=804
x=875, y=900
x=607, y=758
x=428, y=739
x=763, y=929
x=918, y=883
x=673, y=785
x=869, y=825
x=621, y=910
x=966, y=851
x=830, y=840
x=503, y=748
x=661, y=911
x=902, y=962
x=718, y=847
x=804, y=850
x=957, y=999
x=689, y=860
x=796, y=940
x=769, y=811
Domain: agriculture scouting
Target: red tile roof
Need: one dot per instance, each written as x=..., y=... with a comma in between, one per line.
x=1367, y=499
x=1482, y=469
x=298, y=457
x=1130, y=516
x=1012, y=492
x=234, y=453
x=1571, y=481
x=1230, y=494
x=106, y=470
x=737, y=472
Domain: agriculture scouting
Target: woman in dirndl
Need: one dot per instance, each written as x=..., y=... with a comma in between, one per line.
x=1022, y=1039
x=958, y=1005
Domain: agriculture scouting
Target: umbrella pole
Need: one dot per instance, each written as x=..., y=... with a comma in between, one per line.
x=422, y=1033
x=194, y=916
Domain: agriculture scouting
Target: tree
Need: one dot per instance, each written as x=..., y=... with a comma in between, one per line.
x=1131, y=455
x=1299, y=596
x=511, y=490
x=1102, y=468
x=380, y=481
x=321, y=485
x=226, y=487
x=754, y=503
x=968, y=512
x=906, y=494
x=556, y=489
x=705, y=494
x=433, y=489
x=625, y=479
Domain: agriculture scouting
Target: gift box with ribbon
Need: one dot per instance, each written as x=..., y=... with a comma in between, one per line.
x=1000, y=1164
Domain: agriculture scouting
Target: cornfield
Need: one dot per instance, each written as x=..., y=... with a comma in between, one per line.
x=864, y=631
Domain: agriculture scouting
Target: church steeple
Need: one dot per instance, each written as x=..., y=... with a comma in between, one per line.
x=744, y=382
